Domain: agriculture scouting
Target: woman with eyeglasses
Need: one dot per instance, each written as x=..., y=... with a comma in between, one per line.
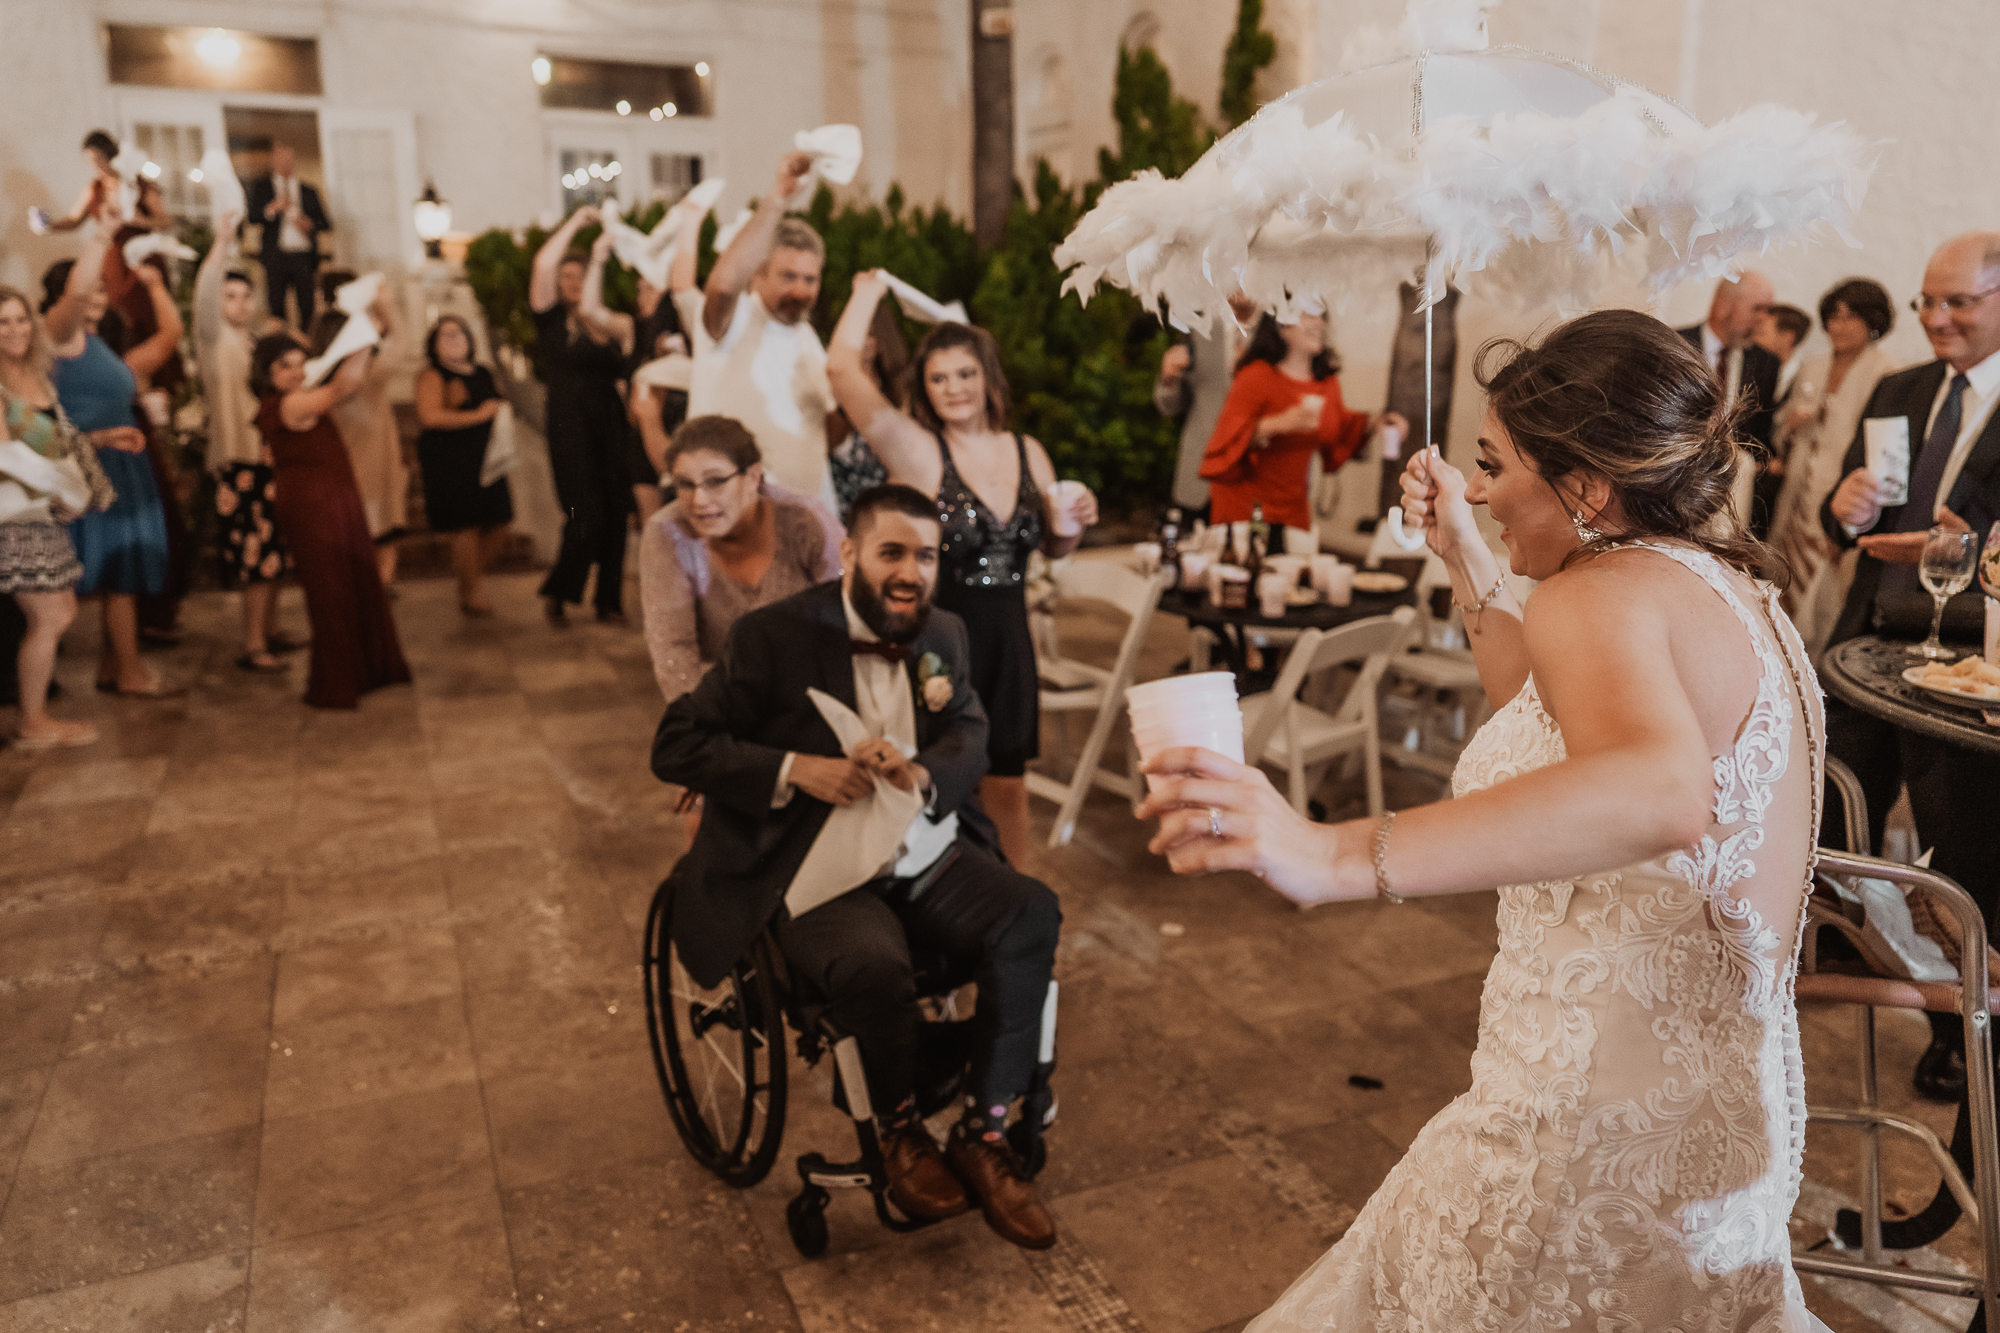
x=728, y=543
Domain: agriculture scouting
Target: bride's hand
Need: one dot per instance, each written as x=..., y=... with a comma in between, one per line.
x=1202, y=791
x=1434, y=502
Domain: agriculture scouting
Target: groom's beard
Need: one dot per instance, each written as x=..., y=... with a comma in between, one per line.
x=889, y=626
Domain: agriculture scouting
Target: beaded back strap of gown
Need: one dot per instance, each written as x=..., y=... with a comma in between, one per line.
x=1629, y=1153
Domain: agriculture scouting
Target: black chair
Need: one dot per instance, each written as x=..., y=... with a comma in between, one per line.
x=721, y=1054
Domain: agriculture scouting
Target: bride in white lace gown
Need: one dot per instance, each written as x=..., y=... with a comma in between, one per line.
x=1628, y=1155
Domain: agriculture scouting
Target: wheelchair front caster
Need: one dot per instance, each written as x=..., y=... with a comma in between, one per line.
x=805, y=1218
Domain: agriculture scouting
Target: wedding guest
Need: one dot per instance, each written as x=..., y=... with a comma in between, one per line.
x=1780, y=332
x=1194, y=381
x=622, y=329
x=852, y=463
x=1271, y=426
x=1814, y=427
x=38, y=566
x=250, y=550
x=354, y=643
x=155, y=362
x=731, y=541
x=149, y=211
x=456, y=403
x=292, y=218
x=146, y=212
x=1636, y=1108
x=1725, y=341
x=663, y=363
x=756, y=356
x=586, y=429
x=123, y=548
x=1954, y=480
x=367, y=419
x=952, y=443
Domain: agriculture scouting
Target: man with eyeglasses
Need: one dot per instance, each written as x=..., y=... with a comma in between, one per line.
x=1954, y=480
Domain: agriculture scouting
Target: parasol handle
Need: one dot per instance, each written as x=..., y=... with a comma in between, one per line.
x=1393, y=520
x=1414, y=541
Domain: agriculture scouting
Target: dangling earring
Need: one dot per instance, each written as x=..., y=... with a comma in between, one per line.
x=1584, y=532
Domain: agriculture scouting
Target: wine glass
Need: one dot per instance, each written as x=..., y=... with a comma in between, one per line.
x=1949, y=559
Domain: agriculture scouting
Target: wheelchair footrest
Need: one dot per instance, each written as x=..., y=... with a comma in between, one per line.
x=815, y=1169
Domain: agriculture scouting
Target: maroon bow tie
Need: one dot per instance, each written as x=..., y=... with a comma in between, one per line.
x=888, y=652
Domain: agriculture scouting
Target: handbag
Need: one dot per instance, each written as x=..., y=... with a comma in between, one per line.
x=500, y=456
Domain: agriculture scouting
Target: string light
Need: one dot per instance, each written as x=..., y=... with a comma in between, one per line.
x=670, y=110
x=701, y=69
x=624, y=107
x=540, y=66
x=219, y=49
x=656, y=113
x=194, y=175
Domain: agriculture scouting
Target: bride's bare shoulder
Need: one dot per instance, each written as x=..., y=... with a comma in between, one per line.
x=1626, y=588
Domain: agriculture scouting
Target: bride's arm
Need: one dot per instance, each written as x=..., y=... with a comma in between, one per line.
x=1637, y=782
x=1434, y=499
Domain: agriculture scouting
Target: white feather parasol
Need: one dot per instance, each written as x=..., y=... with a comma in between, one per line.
x=1432, y=148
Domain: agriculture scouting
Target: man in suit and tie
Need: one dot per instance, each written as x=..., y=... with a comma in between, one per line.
x=771, y=771
x=1724, y=340
x=1948, y=405
x=292, y=217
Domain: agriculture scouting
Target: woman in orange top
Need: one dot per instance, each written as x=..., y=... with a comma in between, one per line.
x=1263, y=444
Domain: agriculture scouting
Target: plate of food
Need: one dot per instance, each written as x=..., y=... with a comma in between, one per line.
x=1379, y=580
x=1971, y=681
x=1302, y=597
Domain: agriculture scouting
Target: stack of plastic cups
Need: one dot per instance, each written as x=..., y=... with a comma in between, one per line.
x=1199, y=710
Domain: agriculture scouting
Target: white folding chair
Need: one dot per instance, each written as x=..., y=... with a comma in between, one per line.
x=1070, y=686
x=1282, y=732
x=1451, y=702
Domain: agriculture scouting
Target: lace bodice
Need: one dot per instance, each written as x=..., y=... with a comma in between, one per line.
x=1629, y=1153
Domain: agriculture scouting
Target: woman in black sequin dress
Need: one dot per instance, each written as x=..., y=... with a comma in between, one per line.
x=991, y=486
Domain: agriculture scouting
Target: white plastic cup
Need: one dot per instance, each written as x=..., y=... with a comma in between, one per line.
x=1194, y=569
x=1317, y=402
x=1339, y=589
x=1886, y=442
x=1287, y=567
x=1146, y=558
x=1201, y=686
x=1271, y=590
x=1063, y=498
x=1392, y=441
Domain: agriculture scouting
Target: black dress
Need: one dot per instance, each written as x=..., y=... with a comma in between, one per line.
x=588, y=454
x=451, y=459
x=673, y=402
x=982, y=576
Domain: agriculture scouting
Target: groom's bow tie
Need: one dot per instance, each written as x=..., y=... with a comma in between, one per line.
x=888, y=652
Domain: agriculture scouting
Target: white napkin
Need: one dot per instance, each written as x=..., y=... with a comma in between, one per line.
x=703, y=196
x=836, y=151
x=675, y=370
x=500, y=457
x=727, y=231
x=919, y=306
x=27, y=479
x=225, y=192
x=358, y=332
x=857, y=840
x=355, y=297
x=141, y=248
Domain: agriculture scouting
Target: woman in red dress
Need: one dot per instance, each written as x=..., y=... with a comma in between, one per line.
x=1261, y=452
x=354, y=645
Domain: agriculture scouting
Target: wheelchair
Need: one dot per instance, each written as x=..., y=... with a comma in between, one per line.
x=722, y=1057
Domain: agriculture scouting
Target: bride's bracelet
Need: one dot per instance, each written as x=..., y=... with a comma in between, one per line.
x=1382, y=889
x=1477, y=610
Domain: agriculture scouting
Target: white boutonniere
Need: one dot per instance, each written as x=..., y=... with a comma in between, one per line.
x=933, y=681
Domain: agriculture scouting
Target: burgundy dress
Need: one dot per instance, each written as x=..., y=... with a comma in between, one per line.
x=354, y=645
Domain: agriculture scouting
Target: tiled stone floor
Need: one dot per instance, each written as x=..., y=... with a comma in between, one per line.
x=332, y=1022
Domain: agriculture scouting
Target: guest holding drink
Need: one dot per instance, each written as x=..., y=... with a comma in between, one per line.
x=1284, y=406
x=992, y=488
x=354, y=644
x=456, y=403
x=731, y=541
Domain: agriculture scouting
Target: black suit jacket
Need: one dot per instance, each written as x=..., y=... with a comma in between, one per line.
x=1975, y=497
x=257, y=196
x=1760, y=381
x=727, y=739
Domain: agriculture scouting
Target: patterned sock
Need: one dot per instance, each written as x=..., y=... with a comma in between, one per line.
x=983, y=1122
x=899, y=1119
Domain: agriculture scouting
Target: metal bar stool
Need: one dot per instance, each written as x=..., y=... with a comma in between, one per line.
x=1972, y=998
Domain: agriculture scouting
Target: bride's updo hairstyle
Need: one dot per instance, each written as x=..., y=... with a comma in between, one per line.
x=1617, y=394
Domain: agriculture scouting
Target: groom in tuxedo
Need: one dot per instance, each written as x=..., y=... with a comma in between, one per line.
x=1726, y=341
x=754, y=745
x=1954, y=480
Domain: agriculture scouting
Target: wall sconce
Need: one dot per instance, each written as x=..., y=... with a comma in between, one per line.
x=433, y=219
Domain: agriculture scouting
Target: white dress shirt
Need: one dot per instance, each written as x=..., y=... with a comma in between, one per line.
x=882, y=700
x=292, y=238
x=1727, y=360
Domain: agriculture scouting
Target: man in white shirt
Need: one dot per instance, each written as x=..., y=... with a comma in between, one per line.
x=757, y=357
x=1954, y=481
x=292, y=216
x=772, y=773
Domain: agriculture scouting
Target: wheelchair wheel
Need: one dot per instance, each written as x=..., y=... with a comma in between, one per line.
x=719, y=1052
x=805, y=1219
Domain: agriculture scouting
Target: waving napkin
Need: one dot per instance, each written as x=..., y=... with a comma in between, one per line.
x=143, y=247
x=225, y=192
x=651, y=254
x=857, y=840
x=919, y=306
x=836, y=154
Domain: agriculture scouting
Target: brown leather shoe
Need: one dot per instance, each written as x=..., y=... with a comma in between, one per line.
x=919, y=1181
x=1008, y=1199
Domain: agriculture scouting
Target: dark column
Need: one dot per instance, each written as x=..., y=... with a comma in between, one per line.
x=992, y=118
